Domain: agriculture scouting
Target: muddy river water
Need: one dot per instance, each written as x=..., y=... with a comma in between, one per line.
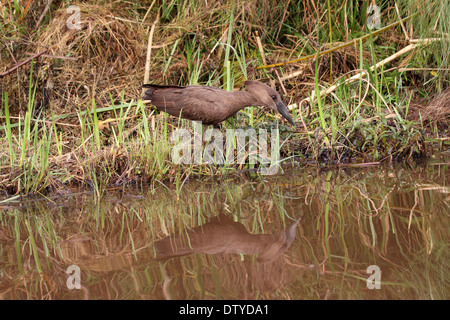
x=378, y=232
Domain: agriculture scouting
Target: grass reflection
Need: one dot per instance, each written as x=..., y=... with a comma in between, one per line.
x=351, y=218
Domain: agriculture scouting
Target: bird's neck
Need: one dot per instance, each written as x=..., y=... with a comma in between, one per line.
x=242, y=99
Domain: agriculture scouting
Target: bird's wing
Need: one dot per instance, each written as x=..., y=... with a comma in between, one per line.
x=194, y=102
x=204, y=104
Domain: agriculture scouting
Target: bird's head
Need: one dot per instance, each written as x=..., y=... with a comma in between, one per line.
x=268, y=97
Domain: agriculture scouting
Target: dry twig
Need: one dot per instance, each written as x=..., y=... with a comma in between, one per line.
x=22, y=63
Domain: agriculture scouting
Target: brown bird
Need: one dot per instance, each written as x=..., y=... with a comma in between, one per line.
x=212, y=105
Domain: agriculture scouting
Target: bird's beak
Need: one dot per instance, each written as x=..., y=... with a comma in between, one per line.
x=281, y=107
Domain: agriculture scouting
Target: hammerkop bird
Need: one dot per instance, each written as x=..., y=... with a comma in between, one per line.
x=212, y=105
x=222, y=235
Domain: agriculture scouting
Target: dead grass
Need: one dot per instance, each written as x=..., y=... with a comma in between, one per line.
x=437, y=110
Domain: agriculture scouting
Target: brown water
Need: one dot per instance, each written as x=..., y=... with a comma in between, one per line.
x=310, y=233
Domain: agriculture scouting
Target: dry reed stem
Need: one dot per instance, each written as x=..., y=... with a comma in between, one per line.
x=401, y=22
x=347, y=44
x=260, y=48
x=27, y=6
x=424, y=41
x=47, y=6
x=149, y=51
x=37, y=55
x=292, y=75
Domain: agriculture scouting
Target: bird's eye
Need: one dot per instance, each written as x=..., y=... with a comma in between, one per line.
x=274, y=97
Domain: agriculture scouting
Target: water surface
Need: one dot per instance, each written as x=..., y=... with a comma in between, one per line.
x=309, y=233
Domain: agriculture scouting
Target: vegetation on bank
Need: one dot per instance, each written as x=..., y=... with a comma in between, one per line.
x=71, y=110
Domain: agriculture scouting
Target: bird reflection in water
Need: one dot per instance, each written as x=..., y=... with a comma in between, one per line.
x=221, y=235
